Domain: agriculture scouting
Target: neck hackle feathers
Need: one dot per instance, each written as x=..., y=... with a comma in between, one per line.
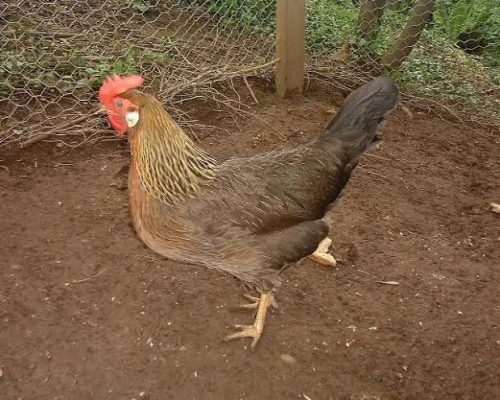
x=170, y=166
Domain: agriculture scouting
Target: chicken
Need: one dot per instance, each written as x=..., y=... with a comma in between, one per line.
x=250, y=217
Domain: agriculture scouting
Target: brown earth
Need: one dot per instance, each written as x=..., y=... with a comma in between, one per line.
x=87, y=312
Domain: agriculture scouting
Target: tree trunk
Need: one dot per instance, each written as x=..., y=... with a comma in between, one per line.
x=369, y=17
x=410, y=34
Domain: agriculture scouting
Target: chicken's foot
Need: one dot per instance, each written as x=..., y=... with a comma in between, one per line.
x=254, y=331
x=250, y=306
x=321, y=255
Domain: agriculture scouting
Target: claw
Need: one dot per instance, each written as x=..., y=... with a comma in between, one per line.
x=255, y=304
x=250, y=297
x=246, y=331
x=254, y=331
x=321, y=255
x=324, y=258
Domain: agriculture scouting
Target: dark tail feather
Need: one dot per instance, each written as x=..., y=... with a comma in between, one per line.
x=362, y=112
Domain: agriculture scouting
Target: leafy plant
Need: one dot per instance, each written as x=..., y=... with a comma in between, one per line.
x=437, y=67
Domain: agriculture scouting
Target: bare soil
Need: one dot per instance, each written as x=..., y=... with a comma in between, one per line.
x=88, y=312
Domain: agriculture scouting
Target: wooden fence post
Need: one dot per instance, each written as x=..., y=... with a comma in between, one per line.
x=290, y=46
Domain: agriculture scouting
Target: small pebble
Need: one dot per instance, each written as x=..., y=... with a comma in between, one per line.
x=288, y=358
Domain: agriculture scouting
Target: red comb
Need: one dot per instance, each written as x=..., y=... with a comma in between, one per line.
x=115, y=85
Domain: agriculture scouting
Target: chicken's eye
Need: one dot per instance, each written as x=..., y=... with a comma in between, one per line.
x=119, y=103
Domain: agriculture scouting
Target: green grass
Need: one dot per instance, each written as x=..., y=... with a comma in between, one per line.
x=436, y=67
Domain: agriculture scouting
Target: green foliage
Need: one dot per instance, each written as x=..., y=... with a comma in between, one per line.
x=436, y=67
x=47, y=66
x=454, y=17
x=143, y=6
x=256, y=16
x=439, y=70
x=329, y=23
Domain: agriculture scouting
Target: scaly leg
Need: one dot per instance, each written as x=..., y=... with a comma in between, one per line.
x=255, y=331
x=321, y=255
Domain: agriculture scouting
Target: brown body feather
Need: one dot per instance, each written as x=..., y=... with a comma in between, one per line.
x=251, y=216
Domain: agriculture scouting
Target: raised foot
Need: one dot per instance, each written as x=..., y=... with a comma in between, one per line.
x=254, y=331
x=321, y=255
x=250, y=306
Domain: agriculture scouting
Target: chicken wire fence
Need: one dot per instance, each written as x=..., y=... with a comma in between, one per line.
x=54, y=54
x=444, y=54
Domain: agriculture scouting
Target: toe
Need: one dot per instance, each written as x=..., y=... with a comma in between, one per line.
x=324, y=258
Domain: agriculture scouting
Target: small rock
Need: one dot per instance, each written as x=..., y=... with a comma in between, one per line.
x=495, y=207
x=288, y=358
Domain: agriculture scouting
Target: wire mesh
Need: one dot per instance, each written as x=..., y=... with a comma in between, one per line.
x=445, y=54
x=54, y=55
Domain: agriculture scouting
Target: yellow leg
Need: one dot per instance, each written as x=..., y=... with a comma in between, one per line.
x=321, y=255
x=254, y=331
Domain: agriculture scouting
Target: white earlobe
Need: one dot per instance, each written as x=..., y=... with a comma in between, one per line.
x=132, y=118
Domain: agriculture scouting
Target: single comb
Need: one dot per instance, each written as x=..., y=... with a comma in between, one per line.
x=115, y=85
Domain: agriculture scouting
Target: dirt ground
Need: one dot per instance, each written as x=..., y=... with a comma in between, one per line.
x=88, y=312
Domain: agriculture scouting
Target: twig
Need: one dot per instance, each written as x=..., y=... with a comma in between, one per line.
x=218, y=74
x=59, y=127
x=250, y=90
x=86, y=279
x=446, y=108
x=367, y=273
x=385, y=177
x=390, y=283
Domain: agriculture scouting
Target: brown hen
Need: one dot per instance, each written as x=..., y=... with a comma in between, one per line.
x=251, y=217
